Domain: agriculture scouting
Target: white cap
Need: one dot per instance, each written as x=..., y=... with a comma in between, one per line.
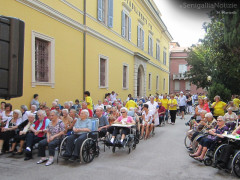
x=181, y=92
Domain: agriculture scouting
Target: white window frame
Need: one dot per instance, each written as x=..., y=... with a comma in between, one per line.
x=158, y=54
x=150, y=45
x=157, y=83
x=187, y=83
x=141, y=42
x=165, y=56
x=128, y=29
x=106, y=73
x=150, y=81
x=181, y=68
x=176, y=82
x=127, y=77
x=51, y=40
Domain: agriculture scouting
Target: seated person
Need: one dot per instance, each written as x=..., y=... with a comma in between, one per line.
x=55, y=131
x=230, y=119
x=103, y=122
x=161, y=112
x=228, y=150
x=84, y=106
x=9, y=131
x=20, y=137
x=68, y=121
x=147, y=124
x=74, y=141
x=214, y=136
x=37, y=133
x=123, y=119
x=111, y=119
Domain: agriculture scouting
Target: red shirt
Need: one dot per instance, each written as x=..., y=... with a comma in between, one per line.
x=90, y=112
x=205, y=107
x=161, y=109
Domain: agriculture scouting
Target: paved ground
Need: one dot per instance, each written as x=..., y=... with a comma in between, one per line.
x=161, y=157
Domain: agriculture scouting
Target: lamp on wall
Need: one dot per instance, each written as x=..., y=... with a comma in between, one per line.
x=209, y=78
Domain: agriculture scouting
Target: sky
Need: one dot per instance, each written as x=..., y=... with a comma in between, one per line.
x=184, y=24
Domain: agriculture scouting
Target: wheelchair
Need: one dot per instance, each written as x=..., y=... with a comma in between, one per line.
x=89, y=149
x=131, y=140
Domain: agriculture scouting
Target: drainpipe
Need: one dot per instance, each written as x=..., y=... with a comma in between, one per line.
x=84, y=48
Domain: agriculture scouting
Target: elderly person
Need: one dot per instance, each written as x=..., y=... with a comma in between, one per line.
x=67, y=105
x=218, y=107
x=35, y=101
x=33, y=109
x=172, y=104
x=161, y=113
x=73, y=114
x=123, y=119
x=37, y=133
x=81, y=128
x=103, y=122
x=108, y=111
x=99, y=105
x=24, y=110
x=230, y=119
x=55, y=130
x=147, y=125
x=85, y=106
x=68, y=121
x=233, y=106
x=182, y=104
x=9, y=131
x=54, y=105
x=20, y=137
x=214, y=135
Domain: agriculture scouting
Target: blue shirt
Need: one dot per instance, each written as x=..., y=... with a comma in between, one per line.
x=40, y=124
x=80, y=124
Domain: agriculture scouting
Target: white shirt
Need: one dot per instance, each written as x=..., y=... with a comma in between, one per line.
x=96, y=106
x=182, y=100
x=152, y=107
x=5, y=118
x=113, y=97
x=147, y=116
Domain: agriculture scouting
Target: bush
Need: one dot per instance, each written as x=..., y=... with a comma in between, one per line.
x=220, y=90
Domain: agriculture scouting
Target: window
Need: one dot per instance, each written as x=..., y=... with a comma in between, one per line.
x=157, y=84
x=182, y=68
x=150, y=45
x=125, y=76
x=103, y=72
x=188, y=85
x=164, y=57
x=164, y=84
x=149, y=81
x=126, y=26
x=157, y=51
x=43, y=58
x=140, y=36
x=176, y=86
x=105, y=12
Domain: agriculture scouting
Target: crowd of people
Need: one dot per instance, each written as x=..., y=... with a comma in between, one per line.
x=48, y=124
x=209, y=127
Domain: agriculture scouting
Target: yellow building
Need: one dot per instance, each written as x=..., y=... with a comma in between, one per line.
x=95, y=45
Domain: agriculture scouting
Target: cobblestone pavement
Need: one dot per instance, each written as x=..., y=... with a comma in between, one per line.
x=163, y=156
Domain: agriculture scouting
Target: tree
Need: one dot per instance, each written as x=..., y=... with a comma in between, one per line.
x=214, y=57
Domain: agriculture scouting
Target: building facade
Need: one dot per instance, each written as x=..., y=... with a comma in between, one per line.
x=178, y=66
x=95, y=45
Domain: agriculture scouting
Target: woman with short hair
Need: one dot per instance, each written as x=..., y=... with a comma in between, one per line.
x=218, y=107
x=54, y=133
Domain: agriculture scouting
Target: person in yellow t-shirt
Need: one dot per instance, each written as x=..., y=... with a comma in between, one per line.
x=88, y=100
x=236, y=101
x=218, y=107
x=172, y=105
x=131, y=103
x=157, y=99
x=164, y=102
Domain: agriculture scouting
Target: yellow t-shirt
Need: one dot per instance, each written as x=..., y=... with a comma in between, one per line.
x=157, y=100
x=218, y=109
x=89, y=100
x=130, y=104
x=172, y=101
x=165, y=103
x=236, y=102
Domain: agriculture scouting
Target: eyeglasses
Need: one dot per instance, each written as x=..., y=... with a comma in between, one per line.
x=123, y=112
x=219, y=120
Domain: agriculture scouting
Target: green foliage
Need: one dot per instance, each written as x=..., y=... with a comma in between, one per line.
x=215, y=57
x=221, y=90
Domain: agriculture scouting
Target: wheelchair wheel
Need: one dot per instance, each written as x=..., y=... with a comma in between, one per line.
x=129, y=150
x=187, y=142
x=62, y=148
x=88, y=149
x=236, y=164
x=97, y=151
x=208, y=161
x=134, y=146
x=217, y=153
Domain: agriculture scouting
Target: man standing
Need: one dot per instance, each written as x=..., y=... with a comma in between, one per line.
x=182, y=104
